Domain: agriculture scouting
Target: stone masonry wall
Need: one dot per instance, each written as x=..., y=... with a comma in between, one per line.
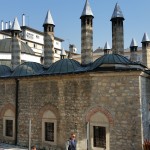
x=7, y=101
x=145, y=99
x=71, y=97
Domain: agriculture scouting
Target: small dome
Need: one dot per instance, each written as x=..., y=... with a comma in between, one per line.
x=63, y=66
x=5, y=47
x=28, y=69
x=4, y=71
x=111, y=59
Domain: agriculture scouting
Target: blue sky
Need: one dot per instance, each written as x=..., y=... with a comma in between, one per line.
x=66, y=14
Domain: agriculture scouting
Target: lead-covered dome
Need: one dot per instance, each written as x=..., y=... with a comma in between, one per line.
x=5, y=71
x=5, y=47
x=63, y=66
x=111, y=60
x=28, y=69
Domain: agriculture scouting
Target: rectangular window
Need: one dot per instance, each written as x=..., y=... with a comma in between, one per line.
x=99, y=139
x=49, y=131
x=9, y=128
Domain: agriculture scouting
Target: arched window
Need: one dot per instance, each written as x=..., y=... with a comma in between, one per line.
x=9, y=124
x=49, y=127
x=99, y=121
x=99, y=131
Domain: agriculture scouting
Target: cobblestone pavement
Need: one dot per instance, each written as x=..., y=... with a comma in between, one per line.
x=10, y=147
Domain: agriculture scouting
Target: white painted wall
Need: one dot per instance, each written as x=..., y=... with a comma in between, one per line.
x=24, y=57
x=27, y=57
x=5, y=56
x=32, y=36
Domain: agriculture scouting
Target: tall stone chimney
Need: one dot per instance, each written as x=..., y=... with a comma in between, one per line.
x=133, y=50
x=86, y=35
x=106, y=48
x=16, y=44
x=117, y=31
x=48, y=40
x=146, y=50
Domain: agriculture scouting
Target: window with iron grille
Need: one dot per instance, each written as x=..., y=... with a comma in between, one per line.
x=99, y=139
x=9, y=128
x=49, y=131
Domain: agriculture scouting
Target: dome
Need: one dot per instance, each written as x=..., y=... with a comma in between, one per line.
x=4, y=71
x=112, y=59
x=28, y=69
x=5, y=47
x=63, y=66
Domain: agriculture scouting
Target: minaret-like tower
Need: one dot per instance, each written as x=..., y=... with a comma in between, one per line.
x=106, y=48
x=16, y=44
x=133, y=50
x=146, y=50
x=117, y=31
x=48, y=40
x=86, y=35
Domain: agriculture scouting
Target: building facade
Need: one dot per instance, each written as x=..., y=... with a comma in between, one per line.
x=105, y=103
x=33, y=38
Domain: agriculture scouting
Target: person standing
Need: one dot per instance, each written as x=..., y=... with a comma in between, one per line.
x=72, y=142
x=33, y=147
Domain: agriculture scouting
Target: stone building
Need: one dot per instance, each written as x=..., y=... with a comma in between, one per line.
x=104, y=102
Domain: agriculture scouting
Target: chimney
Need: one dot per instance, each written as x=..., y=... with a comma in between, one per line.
x=23, y=19
x=146, y=50
x=10, y=24
x=6, y=25
x=16, y=44
x=72, y=48
x=87, y=35
x=48, y=40
x=2, y=25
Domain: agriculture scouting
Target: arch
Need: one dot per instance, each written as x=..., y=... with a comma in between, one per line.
x=9, y=113
x=6, y=107
x=51, y=108
x=104, y=111
x=49, y=116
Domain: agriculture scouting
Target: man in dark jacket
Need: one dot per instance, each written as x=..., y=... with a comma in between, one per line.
x=72, y=142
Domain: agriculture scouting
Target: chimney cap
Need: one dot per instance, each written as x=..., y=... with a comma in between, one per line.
x=145, y=38
x=49, y=19
x=15, y=25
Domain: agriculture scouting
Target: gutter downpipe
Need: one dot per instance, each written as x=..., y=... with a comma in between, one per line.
x=16, y=115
